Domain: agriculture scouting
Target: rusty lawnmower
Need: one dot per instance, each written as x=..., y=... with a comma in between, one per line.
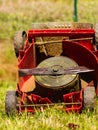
x=57, y=65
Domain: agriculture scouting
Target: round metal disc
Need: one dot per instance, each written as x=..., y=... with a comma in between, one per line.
x=56, y=64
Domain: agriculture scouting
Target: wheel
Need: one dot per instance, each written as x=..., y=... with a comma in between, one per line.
x=19, y=40
x=96, y=34
x=11, y=102
x=89, y=98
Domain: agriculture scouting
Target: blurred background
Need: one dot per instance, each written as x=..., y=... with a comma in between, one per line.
x=20, y=14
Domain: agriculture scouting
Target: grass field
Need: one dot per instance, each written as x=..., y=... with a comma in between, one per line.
x=18, y=15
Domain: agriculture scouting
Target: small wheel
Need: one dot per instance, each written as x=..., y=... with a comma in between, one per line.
x=19, y=40
x=11, y=102
x=89, y=98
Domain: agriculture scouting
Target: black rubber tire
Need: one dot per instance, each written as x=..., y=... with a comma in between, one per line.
x=19, y=40
x=89, y=98
x=11, y=102
x=96, y=34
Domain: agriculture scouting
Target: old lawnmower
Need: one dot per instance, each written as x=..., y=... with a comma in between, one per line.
x=57, y=65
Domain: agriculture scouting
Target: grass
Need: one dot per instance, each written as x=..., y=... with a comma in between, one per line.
x=18, y=15
x=13, y=18
x=49, y=119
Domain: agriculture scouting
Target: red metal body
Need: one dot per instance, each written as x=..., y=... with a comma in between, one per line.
x=83, y=51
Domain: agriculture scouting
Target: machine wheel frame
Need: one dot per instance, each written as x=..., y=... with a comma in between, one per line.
x=19, y=40
x=89, y=98
x=11, y=102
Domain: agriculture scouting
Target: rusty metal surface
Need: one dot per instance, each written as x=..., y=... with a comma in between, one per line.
x=62, y=25
x=55, y=70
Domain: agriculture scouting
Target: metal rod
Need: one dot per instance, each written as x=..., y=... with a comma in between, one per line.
x=52, y=104
x=59, y=41
x=75, y=11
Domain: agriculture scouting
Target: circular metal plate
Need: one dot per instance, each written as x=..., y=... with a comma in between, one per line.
x=56, y=64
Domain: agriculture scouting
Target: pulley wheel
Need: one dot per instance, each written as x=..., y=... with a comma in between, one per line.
x=56, y=64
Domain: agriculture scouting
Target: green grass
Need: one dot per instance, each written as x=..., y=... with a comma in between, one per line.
x=49, y=119
x=28, y=12
x=19, y=15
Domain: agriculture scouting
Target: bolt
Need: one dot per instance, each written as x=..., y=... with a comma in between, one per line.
x=55, y=70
